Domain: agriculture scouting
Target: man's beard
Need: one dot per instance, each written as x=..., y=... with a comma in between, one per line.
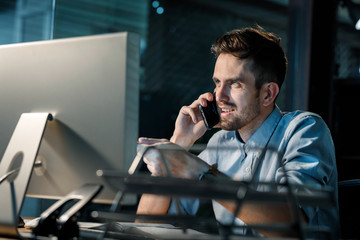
x=241, y=119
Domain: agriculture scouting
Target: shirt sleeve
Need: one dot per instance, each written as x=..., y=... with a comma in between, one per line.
x=188, y=206
x=309, y=158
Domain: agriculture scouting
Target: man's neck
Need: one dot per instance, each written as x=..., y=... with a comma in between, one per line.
x=247, y=131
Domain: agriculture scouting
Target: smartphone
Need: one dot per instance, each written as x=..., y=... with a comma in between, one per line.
x=210, y=114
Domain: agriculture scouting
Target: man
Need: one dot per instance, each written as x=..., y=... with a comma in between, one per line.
x=255, y=141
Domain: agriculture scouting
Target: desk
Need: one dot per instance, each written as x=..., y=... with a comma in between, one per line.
x=136, y=231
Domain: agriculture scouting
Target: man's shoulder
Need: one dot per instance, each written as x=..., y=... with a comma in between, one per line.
x=296, y=120
x=300, y=114
x=301, y=117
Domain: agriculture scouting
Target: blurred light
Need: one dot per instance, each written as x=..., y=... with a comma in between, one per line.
x=354, y=12
x=155, y=4
x=160, y=10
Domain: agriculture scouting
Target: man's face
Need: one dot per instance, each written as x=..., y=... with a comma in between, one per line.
x=236, y=95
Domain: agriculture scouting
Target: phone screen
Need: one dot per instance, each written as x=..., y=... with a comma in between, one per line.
x=210, y=114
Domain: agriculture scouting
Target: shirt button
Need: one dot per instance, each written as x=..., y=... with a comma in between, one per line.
x=247, y=169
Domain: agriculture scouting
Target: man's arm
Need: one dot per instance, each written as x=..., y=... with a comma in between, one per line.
x=253, y=213
x=153, y=204
x=181, y=164
x=189, y=127
x=261, y=212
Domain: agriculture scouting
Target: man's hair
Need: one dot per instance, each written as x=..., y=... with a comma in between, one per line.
x=264, y=48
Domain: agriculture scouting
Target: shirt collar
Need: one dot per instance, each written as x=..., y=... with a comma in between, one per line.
x=262, y=135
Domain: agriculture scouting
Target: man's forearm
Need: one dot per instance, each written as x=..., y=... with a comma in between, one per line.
x=153, y=204
x=183, y=142
x=253, y=213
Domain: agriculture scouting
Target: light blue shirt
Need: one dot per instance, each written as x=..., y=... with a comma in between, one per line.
x=301, y=141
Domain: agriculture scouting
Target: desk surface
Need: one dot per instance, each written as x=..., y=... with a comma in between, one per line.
x=135, y=231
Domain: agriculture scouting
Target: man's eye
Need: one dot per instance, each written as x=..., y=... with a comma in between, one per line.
x=235, y=84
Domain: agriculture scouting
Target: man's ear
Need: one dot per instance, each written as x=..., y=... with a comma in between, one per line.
x=269, y=93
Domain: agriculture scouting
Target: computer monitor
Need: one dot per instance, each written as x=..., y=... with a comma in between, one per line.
x=91, y=87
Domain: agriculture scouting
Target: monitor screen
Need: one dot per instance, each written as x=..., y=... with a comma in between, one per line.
x=91, y=87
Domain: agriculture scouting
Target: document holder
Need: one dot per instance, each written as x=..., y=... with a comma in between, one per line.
x=16, y=167
x=225, y=190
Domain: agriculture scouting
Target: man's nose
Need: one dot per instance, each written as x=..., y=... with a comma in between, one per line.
x=222, y=94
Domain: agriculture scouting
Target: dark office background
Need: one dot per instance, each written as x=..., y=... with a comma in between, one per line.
x=321, y=42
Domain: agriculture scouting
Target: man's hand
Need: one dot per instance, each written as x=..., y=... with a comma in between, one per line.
x=164, y=158
x=189, y=125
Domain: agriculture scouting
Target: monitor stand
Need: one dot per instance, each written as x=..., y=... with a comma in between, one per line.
x=16, y=167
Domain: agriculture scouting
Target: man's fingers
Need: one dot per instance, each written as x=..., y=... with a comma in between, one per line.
x=187, y=110
x=204, y=98
x=150, y=141
x=154, y=167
